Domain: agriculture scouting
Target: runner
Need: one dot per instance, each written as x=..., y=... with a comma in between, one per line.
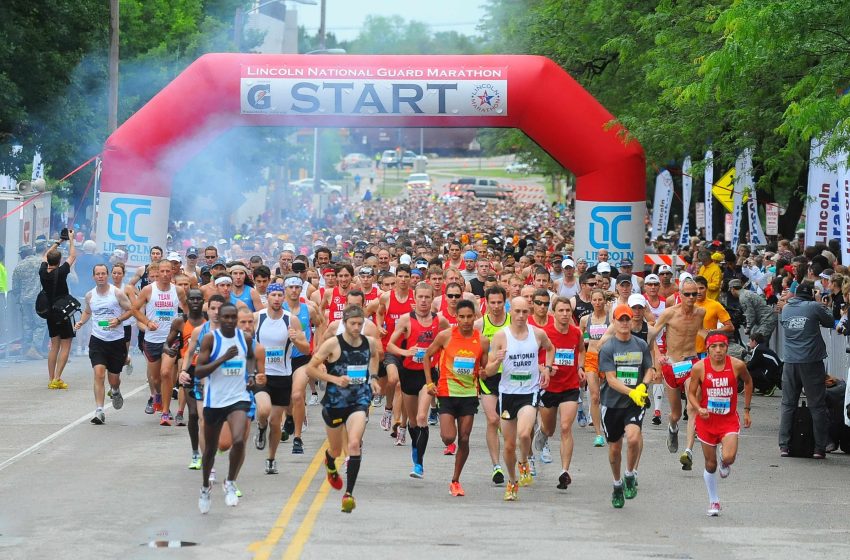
x=107, y=350
x=561, y=395
x=714, y=394
x=594, y=327
x=516, y=350
x=418, y=329
x=356, y=298
x=240, y=291
x=177, y=343
x=656, y=304
x=352, y=362
x=627, y=364
x=667, y=288
x=118, y=272
x=494, y=320
x=262, y=279
x=463, y=352
x=540, y=316
x=226, y=358
x=568, y=286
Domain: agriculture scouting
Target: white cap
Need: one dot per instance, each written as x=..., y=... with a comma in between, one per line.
x=664, y=268
x=603, y=267
x=288, y=247
x=685, y=275
x=119, y=254
x=651, y=279
x=174, y=256
x=569, y=262
x=637, y=299
x=404, y=259
x=268, y=236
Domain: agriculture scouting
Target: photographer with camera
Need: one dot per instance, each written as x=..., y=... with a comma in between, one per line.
x=54, y=283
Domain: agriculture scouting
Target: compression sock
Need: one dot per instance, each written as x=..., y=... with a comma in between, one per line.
x=351, y=476
x=330, y=461
x=422, y=443
x=711, y=486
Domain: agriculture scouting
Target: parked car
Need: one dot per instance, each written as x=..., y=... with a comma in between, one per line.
x=419, y=182
x=517, y=167
x=389, y=159
x=356, y=160
x=480, y=187
x=307, y=184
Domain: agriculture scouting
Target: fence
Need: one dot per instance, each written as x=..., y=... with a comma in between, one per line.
x=838, y=361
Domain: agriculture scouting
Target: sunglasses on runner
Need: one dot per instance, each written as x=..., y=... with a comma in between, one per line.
x=540, y=302
x=689, y=294
x=453, y=296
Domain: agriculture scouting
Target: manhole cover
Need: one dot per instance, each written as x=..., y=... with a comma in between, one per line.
x=169, y=544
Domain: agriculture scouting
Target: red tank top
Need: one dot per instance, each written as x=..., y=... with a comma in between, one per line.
x=719, y=389
x=336, y=306
x=565, y=367
x=550, y=320
x=395, y=309
x=420, y=337
x=444, y=311
x=371, y=296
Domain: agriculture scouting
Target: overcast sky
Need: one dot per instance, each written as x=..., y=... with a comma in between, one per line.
x=344, y=17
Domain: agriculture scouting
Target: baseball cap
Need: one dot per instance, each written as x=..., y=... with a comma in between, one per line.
x=421, y=264
x=174, y=256
x=717, y=257
x=366, y=270
x=470, y=256
x=219, y=262
x=827, y=274
x=603, y=267
x=637, y=299
x=736, y=283
x=288, y=247
x=581, y=260
x=685, y=275
x=623, y=310
x=569, y=263
x=556, y=257
x=665, y=268
x=625, y=262
x=652, y=279
x=192, y=252
x=623, y=278
x=404, y=259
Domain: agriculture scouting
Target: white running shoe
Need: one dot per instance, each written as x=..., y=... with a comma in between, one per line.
x=314, y=400
x=230, y=497
x=204, y=500
x=725, y=470
x=212, y=477
x=538, y=441
x=401, y=438
x=386, y=420
x=546, y=454
x=713, y=510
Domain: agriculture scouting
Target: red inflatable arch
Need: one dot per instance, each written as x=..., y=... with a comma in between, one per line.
x=220, y=91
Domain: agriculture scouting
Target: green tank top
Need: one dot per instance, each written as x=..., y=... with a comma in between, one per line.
x=490, y=329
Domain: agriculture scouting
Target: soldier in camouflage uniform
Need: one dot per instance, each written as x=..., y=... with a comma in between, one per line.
x=25, y=288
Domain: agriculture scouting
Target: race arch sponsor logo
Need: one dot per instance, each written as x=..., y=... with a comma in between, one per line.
x=486, y=98
x=259, y=97
x=124, y=213
x=608, y=229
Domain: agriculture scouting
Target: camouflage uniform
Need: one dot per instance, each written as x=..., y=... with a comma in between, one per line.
x=26, y=285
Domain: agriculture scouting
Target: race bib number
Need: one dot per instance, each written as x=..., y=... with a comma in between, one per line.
x=682, y=369
x=596, y=331
x=165, y=314
x=274, y=355
x=419, y=357
x=565, y=356
x=520, y=377
x=719, y=405
x=357, y=374
x=104, y=324
x=233, y=367
x=463, y=366
x=628, y=375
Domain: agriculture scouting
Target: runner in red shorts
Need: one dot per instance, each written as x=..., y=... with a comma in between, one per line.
x=713, y=392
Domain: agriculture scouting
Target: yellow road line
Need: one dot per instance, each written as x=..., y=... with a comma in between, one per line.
x=263, y=549
x=296, y=545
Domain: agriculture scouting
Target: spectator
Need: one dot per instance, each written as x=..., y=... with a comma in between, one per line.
x=760, y=318
x=710, y=270
x=54, y=281
x=805, y=352
x=25, y=288
x=764, y=366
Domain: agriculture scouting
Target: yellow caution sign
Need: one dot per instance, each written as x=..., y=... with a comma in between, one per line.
x=723, y=190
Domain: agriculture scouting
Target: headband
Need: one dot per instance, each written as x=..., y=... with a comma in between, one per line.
x=327, y=270
x=289, y=282
x=238, y=267
x=276, y=287
x=717, y=338
x=223, y=280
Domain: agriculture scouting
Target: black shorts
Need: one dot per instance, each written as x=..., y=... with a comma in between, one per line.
x=382, y=369
x=153, y=351
x=490, y=385
x=510, y=405
x=392, y=360
x=553, y=400
x=128, y=333
x=140, y=341
x=215, y=416
x=411, y=380
x=110, y=354
x=337, y=417
x=62, y=328
x=299, y=362
x=615, y=420
x=458, y=406
x=279, y=388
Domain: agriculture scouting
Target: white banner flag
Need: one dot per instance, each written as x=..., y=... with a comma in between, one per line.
x=709, y=182
x=737, y=198
x=757, y=236
x=687, y=182
x=820, y=214
x=661, y=206
x=699, y=212
x=37, y=167
x=844, y=206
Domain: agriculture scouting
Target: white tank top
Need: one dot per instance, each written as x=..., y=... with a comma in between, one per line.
x=340, y=328
x=104, y=308
x=520, y=371
x=161, y=309
x=273, y=334
x=228, y=384
x=568, y=291
x=656, y=311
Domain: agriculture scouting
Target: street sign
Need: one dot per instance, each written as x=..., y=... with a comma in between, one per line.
x=723, y=190
x=772, y=215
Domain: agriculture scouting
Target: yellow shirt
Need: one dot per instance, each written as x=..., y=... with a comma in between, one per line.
x=714, y=275
x=715, y=316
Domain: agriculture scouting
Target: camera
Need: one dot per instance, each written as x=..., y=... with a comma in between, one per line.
x=64, y=235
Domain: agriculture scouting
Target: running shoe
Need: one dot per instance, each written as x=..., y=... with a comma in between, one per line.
x=204, y=500
x=687, y=460
x=525, y=478
x=61, y=384
x=394, y=432
x=685, y=414
x=128, y=368
x=52, y=384
x=564, y=480
x=784, y=452
x=99, y=418
x=656, y=418
x=433, y=418
x=417, y=472
x=498, y=475
x=304, y=425
x=179, y=420
x=725, y=470
x=149, y=406
x=284, y=436
x=376, y=402
x=271, y=466
x=289, y=425
x=333, y=477
x=456, y=489
x=532, y=466
x=314, y=399
x=511, y=491
x=238, y=491
x=297, y=446
x=546, y=454
x=260, y=438
x=348, y=503
x=117, y=400
x=672, y=439
x=450, y=449
x=713, y=509
x=630, y=486
x=211, y=479
x=175, y=394
x=538, y=441
x=599, y=441
x=386, y=419
x=230, y=497
x=401, y=439
x=166, y=419
x=618, y=498
x=770, y=392
x=109, y=394
x=582, y=419
x=195, y=464
x=157, y=403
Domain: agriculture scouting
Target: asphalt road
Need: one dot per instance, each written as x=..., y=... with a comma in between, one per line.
x=68, y=488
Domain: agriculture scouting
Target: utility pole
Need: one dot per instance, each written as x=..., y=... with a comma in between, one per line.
x=112, y=110
x=317, y=150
